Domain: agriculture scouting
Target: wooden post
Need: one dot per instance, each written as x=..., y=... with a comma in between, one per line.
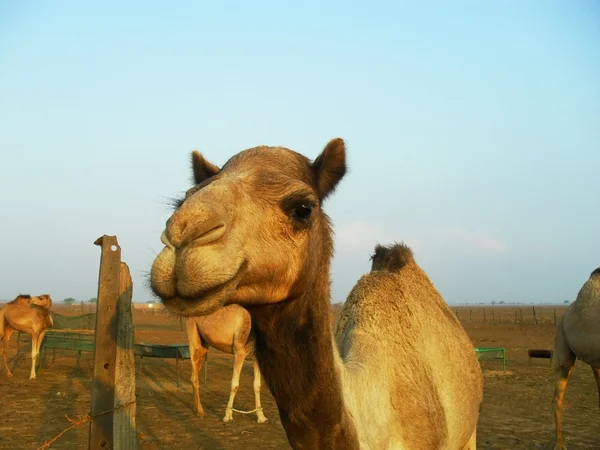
x=113, y=352
x=554, y=316
x=534, y=316
x=484, y=318
x=124, y=427
x=470, y=315
x=493, y=316
x=515, y=316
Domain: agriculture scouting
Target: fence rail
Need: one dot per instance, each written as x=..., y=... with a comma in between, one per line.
x=534, y=315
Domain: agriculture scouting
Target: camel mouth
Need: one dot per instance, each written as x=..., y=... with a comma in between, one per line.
x=202, y=301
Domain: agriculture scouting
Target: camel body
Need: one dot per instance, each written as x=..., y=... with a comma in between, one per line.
x=577, y=337
x=228, y=330
x=413, y=377
x=28, y=315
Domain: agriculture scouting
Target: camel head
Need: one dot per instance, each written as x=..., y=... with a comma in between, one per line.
x=251, y=232
x=44, y=301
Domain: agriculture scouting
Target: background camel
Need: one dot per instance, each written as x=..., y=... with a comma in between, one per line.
x=254, y=233
x=228, y=329
x=28, y=315
x=577, y=336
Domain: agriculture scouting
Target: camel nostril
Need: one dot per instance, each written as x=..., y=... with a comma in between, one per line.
x=210, y=235
x=182, y=233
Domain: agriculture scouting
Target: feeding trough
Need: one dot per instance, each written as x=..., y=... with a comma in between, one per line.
x=176, y=351
x=540, y=353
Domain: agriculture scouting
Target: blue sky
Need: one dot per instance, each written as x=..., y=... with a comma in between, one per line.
x=472, y=128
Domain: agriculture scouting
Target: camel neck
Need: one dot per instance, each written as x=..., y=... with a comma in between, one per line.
x=294, y=349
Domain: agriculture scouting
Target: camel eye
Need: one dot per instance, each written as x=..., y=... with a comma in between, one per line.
x=303, y=212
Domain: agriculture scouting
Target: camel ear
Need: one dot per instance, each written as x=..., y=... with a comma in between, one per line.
x=201, y=168
x=330, y=167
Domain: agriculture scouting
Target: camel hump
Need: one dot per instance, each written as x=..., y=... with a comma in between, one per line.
x=595, y=273
x=391, y=257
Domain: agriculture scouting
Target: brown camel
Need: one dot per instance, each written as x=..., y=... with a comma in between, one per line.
x=26, y=314
x=228, y=329
x=254, y=233
x=577, y=336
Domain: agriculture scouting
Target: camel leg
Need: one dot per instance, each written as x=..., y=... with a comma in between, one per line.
x=39, y=345
x=197, y=359
x=34, y=352
x=564, y=362
x=238, y=363
x=197, y=354
x=4, y=349
x=257, y=382
x=596, y=371
x=472, y=444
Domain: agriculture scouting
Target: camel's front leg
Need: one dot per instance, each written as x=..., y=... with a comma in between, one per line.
x=596, y=371
x=4, y=349
x=197, y=354
x=197, y=359
x=561, y=378
x=34, y=352
x=39, y=345
x=257, y=382
x=472, y=444
x=238, y=363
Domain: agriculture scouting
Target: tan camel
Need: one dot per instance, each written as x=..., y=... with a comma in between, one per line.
x=577, y=336
x=26, y=314
x=228, y=329
x=254, y=233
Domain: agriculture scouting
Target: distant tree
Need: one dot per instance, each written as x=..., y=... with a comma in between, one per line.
x=93, y=300
x=69, y=301
x=567, y=302
x=502, y=302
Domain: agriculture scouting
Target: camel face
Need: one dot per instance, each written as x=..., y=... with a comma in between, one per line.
x=44, y=301
x=247, y=233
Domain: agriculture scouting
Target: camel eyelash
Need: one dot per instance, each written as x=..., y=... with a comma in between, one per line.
x=293, y=202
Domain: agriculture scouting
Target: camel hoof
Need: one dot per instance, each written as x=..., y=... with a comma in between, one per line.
x=200, y=414
x=9, y=375
x=32, y=377
x=263, y=420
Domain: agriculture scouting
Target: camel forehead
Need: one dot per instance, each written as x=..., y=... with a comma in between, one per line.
x=273, y=162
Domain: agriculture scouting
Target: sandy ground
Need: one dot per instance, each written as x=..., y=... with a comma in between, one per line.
x=516, y=413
